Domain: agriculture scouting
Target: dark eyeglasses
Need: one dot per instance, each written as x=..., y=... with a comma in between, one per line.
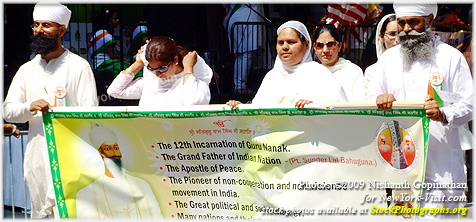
x=321, y=45
x=161, y=69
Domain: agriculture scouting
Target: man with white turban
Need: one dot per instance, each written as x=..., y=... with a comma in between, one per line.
x=422, y=68
x=115, y=194
x=55, y=77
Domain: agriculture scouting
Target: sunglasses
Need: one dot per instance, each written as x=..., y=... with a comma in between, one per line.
x=321, y=45
x=161, y=69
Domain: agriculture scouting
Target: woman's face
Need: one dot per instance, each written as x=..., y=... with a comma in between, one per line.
x=390, y=38
x=114, y=20
x=327, y=49
x=289, y=47
x=161, y=69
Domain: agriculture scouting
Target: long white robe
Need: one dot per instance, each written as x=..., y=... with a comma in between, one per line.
x=152, y=91
x=122, y=197
x=445, y=157
x=35, y=80
x=351, y=77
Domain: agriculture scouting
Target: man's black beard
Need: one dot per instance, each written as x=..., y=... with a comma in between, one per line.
x=418, y=47
x=43, y=44
x=118, y=162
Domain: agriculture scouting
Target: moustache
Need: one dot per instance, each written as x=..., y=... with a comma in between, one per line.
x=410, y=33
x=40, y=36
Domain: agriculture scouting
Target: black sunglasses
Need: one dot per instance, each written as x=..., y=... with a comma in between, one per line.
x=321, y=45
x=161, y=69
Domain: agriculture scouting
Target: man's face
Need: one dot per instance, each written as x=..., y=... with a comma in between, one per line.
x=110, y=151
x=407, y=24
x=46, y=36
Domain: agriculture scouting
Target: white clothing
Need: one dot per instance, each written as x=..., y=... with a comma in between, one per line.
x=425, y=8
x=380, y=48
x=121, y=197
x=351, y=78
x=379, y=44
x=369, y=74
x=52, y=11
x=153, y=91
x=307, y=80
x=445, y=158
x=35, y=80
x=311, y=81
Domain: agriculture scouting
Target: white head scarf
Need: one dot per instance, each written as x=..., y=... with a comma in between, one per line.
x=420, y=9
x=52, y=11
x=100, y=134
x=379, y=45
x=301, y=28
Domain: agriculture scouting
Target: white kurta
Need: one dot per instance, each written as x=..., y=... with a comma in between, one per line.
x=35, y=80
x=311, y=81
x=152, y=91
x=351, y=77
x=445, y=157
x=122, y=197
x=369, y=72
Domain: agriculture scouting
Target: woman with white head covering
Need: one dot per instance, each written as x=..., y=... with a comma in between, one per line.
x=386, y=37
x=327, y=45
x=295, y=78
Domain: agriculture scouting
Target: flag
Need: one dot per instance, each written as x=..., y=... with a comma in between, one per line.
x=346, y=14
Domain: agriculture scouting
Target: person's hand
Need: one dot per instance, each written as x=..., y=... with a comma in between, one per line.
x=40, y=105
x=10, y=129
x=233, y=104
x=189, y=61
x=139, y=52
x=385, y=101
x=432, y=110
x=300, y=103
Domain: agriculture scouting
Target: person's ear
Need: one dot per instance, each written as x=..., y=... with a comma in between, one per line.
x=431, y=18
x=308, y=45
x=381, y=37
x=62, y=30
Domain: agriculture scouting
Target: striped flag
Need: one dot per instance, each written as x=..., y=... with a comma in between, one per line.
x=99, y=42
x=346, y=14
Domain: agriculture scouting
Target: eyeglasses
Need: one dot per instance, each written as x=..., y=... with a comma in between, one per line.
x=321, y=45
x=45, y=25
x=392, y=34
x=161, y=69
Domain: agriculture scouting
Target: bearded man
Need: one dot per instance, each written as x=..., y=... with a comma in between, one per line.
x=419, y=69
x=55, y=77
x=115, y=194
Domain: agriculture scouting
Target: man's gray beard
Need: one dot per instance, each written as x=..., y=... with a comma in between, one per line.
x=419, y=47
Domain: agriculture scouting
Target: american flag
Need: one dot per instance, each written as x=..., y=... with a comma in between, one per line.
x=346, y=14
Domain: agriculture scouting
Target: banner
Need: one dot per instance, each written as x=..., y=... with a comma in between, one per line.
x=212, y=163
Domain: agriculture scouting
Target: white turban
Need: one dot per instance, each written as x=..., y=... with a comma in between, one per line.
x=101, y=135
x=52, y=11
x=421, y=9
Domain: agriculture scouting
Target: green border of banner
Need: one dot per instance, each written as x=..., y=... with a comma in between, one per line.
x=53, y=155
x=247, y=112
x=54, y=164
